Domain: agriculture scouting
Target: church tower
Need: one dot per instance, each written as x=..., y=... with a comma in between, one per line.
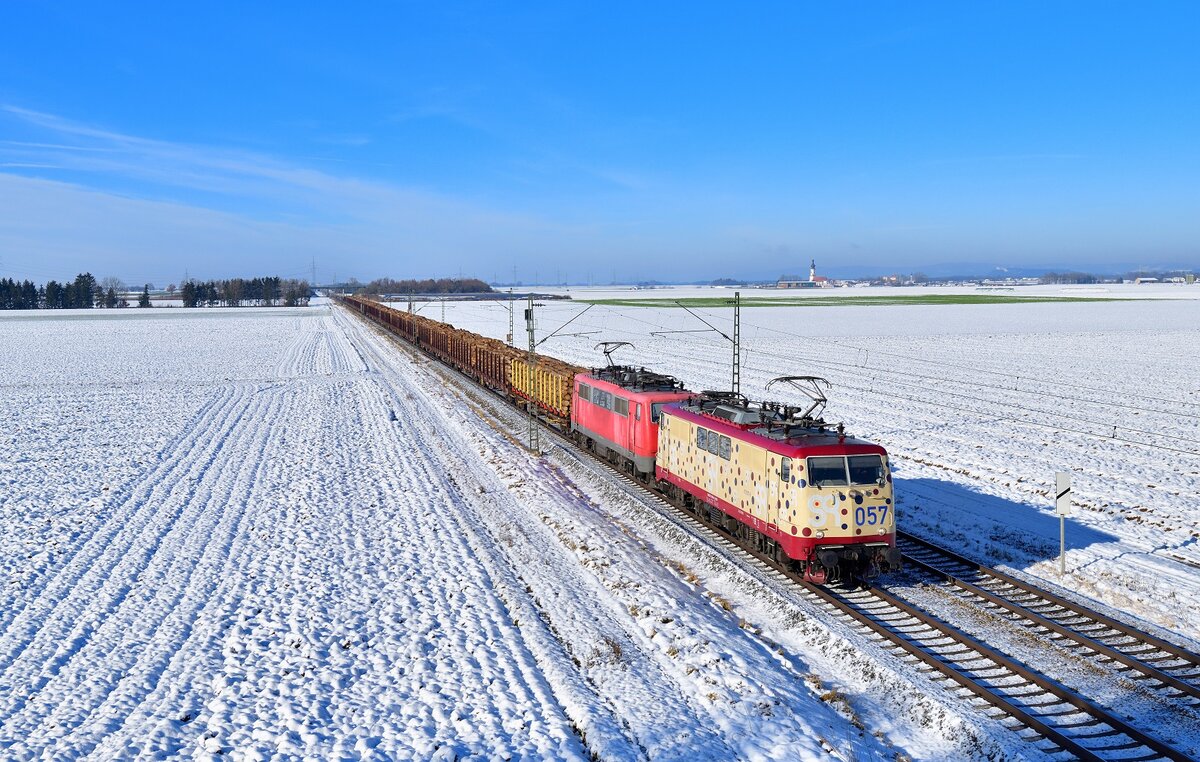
x=812, y=271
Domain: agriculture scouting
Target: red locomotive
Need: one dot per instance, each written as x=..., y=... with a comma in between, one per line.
x=615, y=413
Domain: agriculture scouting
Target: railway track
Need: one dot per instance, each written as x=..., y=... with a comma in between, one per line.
x=1169, y=667
x=1040, y=710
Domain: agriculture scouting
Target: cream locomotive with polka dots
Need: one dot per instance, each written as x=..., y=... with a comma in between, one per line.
x=772, y=482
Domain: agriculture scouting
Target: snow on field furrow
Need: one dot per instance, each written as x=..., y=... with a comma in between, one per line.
x=145, y=613
x=281, y=672
x=135, y=519
x=595, y=626
x=291, y=361
x=554, y=529
x=1095, y=361
x=438, y=612
x=158, y=724
x=445, y=665
x=449, y=615
x=86, y=341
x=327, y=615
x=150, y=560
x=346, y=356
x=322, y=352
x=1041, y=403
x=44, y=519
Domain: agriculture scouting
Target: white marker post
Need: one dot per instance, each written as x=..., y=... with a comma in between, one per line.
x=1062, y=505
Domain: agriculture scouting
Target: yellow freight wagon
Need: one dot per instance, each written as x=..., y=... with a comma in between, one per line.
x=545, y=381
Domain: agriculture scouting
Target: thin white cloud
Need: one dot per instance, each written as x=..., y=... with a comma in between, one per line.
x=265, y=210
x=73, y=197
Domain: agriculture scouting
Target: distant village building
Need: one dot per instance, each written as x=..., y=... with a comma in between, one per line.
x=794, y=281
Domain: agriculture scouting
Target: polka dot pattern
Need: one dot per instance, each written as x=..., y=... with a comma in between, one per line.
x=750, y=479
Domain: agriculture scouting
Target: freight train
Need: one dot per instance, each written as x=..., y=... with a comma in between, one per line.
x=777, y=477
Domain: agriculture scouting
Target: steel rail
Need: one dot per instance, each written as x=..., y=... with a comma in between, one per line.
x=895, y=636
x=1069, y=610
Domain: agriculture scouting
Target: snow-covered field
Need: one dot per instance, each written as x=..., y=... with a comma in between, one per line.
x=271, y=534
x=275, y=534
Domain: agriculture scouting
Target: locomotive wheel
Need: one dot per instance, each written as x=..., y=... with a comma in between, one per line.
x=816, y=574
x=732, y=525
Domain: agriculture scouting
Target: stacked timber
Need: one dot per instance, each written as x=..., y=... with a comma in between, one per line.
x=546, y=381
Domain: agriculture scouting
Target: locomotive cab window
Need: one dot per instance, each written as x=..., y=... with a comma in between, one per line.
x=620, y=406
x=656, y=411
x=585, y=392
x=827, y=472
x=866, y=469
x=785, y=469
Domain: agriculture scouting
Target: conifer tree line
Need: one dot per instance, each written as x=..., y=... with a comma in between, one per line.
x=427, y=286
x=85, y=292
x=242, y=292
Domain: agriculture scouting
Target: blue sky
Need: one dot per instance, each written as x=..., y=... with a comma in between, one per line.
x=568, y=140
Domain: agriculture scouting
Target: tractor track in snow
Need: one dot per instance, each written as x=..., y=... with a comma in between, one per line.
x=129, y=608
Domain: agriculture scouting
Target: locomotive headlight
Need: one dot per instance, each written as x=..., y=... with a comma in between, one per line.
x=882, y=530
x=819, y=534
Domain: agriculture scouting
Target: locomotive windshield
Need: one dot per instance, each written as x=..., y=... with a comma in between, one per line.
x=861, y=470
x=865, y=469
x=827, y=472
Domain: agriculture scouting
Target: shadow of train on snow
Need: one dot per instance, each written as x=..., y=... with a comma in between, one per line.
x=963, y=519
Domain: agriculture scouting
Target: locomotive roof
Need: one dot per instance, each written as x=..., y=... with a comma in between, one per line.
x=637, y=379
x=776, y=423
